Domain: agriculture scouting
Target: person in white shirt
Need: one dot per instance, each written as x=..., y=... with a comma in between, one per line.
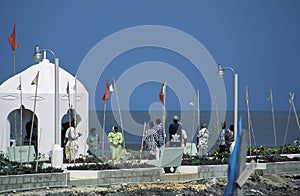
x=72, y=134
x=202, y=138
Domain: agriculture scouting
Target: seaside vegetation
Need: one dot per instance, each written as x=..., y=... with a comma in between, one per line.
x=14, y=168
x=131, y=160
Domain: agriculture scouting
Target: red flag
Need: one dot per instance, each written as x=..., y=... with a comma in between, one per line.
x=12, y=39
x=162, y=93
x=105, y=96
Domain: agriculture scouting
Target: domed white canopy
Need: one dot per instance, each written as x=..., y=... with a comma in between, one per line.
x=18, y=90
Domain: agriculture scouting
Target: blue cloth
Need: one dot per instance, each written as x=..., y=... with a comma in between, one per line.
x=233, y=165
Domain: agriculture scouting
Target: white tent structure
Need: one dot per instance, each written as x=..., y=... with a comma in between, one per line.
x=11, y=99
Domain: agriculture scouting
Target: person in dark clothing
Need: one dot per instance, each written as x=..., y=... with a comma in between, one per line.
x=229, y=137
x=33, y=135
x=175, y=133
x=222, y=145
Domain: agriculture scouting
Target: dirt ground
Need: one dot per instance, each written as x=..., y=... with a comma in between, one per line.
x=267, y=184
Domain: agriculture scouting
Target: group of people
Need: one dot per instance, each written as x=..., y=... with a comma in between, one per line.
x=115, y=139
x=226, y=138
x=178, y=138
x=154, y=139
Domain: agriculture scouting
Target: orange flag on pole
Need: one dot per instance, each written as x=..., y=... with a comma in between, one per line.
x=162, y=93
x=12, y=39
x=105, y=96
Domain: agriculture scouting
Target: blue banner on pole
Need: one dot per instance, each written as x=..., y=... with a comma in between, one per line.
x=233, y=165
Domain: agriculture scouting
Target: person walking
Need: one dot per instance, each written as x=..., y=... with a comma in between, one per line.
x=115, y=139
x=184, y=138
x=93, y=141
x=229, y=137
x=222, y=145
x=150, y=145
x=175, y=133
x=202, y=140
x=159, y=136
x=72, y=134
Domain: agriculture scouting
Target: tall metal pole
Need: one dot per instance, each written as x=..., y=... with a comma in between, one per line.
x=221, y=73
x=56, y=62
x=235, y=104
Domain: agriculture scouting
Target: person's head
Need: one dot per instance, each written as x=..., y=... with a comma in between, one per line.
x=115, y=128
x=175, y=118
x=93, y=130
x=231, y=128
x=73, y=124
x=203, y=125
x=158, y=121
x=151, y=124
x=223, y=125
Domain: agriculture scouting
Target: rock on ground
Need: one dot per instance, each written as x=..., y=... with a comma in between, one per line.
x=286, y=184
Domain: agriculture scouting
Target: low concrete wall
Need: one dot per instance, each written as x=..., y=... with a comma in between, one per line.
x=33, y=181
x=137, y=175
x=283, y=167
x=211, y=171
x=205, y=171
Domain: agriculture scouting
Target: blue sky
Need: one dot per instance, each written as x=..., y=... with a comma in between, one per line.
x=259, y=39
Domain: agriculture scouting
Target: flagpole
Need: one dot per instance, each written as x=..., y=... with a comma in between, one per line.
x=14, y=46
x=121, y=121
x=103, y=129
x=74, y=100
x=164, y=110
x=193, y=123
x=21, y=121
x=217, y=111
x=198, y=96
x=38, y=150
x=141, y=151
x=33, y=114
x=250, y=126
x=287, y=125
x=70, y=119
x=273, y=117
x=295, y=112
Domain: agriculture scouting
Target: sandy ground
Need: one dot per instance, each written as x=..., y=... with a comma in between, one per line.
x=285, y=184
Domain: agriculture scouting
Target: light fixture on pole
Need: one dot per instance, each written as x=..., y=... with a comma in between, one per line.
x=37, y=56
x=220, y=72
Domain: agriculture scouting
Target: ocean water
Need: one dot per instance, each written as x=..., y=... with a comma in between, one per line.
x=263, y=131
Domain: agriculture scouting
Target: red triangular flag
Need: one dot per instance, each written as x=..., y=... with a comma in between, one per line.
x=12, y=39
x=162, y=93
x=105, y=96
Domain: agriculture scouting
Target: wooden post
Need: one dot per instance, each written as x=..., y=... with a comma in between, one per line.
x=141, y=151
x=273, y=117
x=103, y=129
x=119, y=108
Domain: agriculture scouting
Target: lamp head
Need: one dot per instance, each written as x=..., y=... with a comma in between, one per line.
x=220, y=71
x=37, y=56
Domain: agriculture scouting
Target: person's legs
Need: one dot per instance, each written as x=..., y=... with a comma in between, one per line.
x=118, y=152
x=113, y=152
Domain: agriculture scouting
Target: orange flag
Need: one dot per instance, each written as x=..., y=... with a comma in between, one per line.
x=105, y=96
x=12, y=39
x=162, y=93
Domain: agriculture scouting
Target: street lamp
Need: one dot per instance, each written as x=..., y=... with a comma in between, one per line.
x=37, y=56
x=220, y=72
